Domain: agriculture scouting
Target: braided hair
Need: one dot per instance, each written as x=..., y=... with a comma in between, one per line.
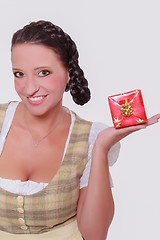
x=52, y=36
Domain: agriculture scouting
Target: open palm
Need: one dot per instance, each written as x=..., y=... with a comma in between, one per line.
x=110, y=136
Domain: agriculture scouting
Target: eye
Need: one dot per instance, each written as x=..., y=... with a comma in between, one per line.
x=18, y=74
x=44, y=73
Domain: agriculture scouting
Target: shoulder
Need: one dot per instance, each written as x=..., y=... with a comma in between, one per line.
x=3, y=107
x=81, y=126
x=95, y=127
x=81, y=120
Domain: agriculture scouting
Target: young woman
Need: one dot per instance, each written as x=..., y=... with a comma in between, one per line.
x=54, y=166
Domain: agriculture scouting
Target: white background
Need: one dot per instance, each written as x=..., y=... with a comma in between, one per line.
x=119, y=46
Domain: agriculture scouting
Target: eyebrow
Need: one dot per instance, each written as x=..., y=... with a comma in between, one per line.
x=41, y=67
x=17, y=69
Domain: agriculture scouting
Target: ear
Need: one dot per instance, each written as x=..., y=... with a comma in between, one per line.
x=68, y=77
x=67, y=86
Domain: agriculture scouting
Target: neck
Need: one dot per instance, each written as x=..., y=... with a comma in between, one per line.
x=45, y=121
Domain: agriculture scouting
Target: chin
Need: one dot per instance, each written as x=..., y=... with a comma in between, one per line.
x=42, y=108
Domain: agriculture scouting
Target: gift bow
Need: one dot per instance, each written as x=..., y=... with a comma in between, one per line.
x=126, y=109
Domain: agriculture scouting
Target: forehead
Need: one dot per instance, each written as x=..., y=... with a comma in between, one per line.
x=31, y=53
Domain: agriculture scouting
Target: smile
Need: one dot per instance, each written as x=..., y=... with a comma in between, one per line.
x=36, y=100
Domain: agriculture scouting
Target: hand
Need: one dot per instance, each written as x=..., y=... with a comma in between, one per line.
x=110, y=136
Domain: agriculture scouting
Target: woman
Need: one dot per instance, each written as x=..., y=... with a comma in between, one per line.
x=50, y=188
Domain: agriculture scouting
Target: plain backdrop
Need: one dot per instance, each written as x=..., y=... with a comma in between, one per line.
x=119, y=46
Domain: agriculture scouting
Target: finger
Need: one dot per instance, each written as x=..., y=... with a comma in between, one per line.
x=128, y=130
x=153, y=120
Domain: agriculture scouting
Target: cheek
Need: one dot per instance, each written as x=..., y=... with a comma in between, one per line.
x=18, y=85
x=57, y=83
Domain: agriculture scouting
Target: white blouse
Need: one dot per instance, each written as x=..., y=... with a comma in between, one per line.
x=31, y=187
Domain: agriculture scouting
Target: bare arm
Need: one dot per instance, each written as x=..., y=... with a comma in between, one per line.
x=96, y=207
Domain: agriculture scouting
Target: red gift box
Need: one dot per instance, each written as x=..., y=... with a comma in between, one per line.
x=127, y=109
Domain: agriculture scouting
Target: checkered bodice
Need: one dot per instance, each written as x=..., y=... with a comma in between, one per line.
x=56, y=204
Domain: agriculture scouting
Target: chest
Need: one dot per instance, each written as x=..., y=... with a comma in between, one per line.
x=21, y=159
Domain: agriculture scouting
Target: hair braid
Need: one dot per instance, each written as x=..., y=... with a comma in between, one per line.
x=77, y=85
x=50, y=35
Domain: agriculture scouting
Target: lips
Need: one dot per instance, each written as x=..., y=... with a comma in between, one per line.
x=36, y=100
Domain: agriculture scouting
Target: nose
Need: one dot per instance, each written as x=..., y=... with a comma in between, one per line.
x=31, y=86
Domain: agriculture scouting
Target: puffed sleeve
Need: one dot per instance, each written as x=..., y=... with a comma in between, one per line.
x=112, y=155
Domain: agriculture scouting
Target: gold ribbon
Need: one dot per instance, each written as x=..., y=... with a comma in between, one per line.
x=126, y=109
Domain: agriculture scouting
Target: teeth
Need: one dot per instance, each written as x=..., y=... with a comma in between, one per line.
x=36, y=98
